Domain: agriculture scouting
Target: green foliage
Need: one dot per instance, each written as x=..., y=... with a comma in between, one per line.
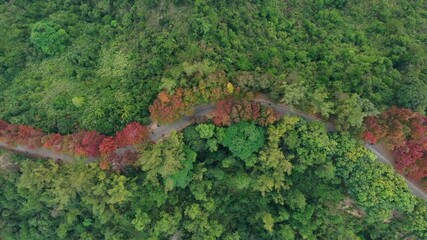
x=274, y=165
x=294, y=89
x=120, y=55
x=344, y=194
x=49, y=37
x=351, y=110
x=206, y=131
x=192, y=139
x=171, y=160
x=413, y=95
x=48, y=194
x=319, y=103
x=309, y=143
x=243, y=139
x=375, y=186
x=98, y=65
x=183, y=177
x=417, y=220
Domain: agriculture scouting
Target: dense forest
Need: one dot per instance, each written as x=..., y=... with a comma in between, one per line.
x=90, y=78
x=98, y=65
x=292, y=180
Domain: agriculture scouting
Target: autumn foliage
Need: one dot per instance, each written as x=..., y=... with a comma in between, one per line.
x=9, y=133
x=403, y=132
x=229, y=111
x=133, y=133
x=82, y=143
x=107, y=146
x=222, y=113
x=407, y=155
x=3, y=125
x=29, y=136
x=76, y=142
x=168, y=107
x=90, y=142
x=20, y=134
x=53, y=142
x=119, y=161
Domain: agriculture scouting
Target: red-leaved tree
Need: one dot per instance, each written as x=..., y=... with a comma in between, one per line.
x=403, y=132
x=76, y=143
x=222, y=112
x=107, y=146
x=168, y=107
x=3, y=125
x=419, y=170
x=228, y=111
x=374, y=131
x=118, y=161
x=407, y=155
x=268, y=116
x=29, y=136
x=369, y=137
x=10, y=133
x=91, y=141
x=87, y=143
x=245, y=111
x=53, y=142
x=395, y=127
x=133, y=133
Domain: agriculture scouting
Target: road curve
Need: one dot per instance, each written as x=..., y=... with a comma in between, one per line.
x=377, y=150
x=414, y=188
x=160, y=132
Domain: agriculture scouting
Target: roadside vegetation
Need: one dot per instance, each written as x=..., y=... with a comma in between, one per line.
x=98, y=65
x=86, y=78
x=237, y=182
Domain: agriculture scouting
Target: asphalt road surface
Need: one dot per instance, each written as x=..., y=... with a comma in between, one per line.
x=162, y=131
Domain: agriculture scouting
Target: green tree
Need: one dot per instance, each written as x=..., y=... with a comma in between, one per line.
x=412, y=94
x=206, y=131
x=319, y=102
x=243, y=139
x=309, y=145
x=350, y=111
x=274, y=165
x=171, y=160
x=49, y=37
x=375, y=186
x=379, y=189
x=193, y=140
x=293, y=89
x=415, y=222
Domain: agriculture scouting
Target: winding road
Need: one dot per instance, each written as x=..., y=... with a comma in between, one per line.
x=378, y=150
x=159, y=132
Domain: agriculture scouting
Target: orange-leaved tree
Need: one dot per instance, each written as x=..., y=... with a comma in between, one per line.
x=168, y=107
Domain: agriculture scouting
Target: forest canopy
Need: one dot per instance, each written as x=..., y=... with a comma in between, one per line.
x=192, y=185
x=95, y=81
x=98, y=65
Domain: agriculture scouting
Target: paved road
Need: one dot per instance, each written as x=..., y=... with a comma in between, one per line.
x=378, y=150
x=37, y=152
x=286, y=110
x=164, y=130
x=282, y=109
